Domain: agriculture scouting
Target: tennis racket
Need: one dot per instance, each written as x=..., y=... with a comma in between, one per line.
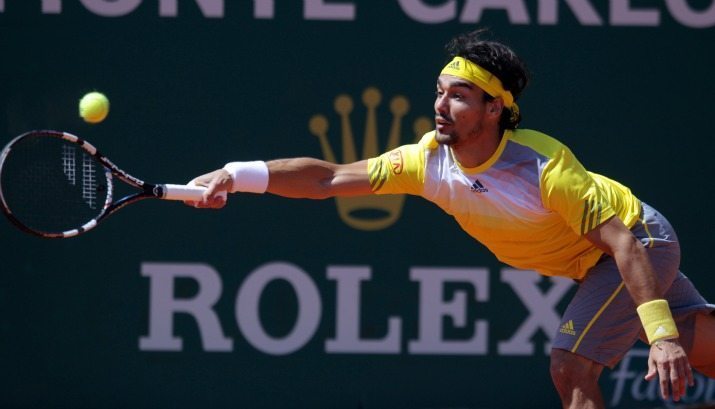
x=56, y=185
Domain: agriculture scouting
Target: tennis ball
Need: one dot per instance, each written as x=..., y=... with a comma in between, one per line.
x=94, y=107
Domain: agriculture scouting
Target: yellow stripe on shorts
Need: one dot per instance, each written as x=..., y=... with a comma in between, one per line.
x=598, y=314
x=651, y=242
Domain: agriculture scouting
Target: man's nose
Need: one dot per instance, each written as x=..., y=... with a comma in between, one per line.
x=440, y=105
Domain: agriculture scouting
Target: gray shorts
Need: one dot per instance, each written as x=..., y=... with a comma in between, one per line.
x=601, y=322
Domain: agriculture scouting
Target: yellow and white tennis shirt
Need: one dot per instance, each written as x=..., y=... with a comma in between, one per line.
x=530, y=204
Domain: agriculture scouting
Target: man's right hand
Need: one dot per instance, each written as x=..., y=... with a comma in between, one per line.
x=217, y=184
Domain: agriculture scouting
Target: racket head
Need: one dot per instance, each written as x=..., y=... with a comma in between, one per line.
x=52, y=185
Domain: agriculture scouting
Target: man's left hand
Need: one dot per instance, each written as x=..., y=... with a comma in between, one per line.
x=668, y=360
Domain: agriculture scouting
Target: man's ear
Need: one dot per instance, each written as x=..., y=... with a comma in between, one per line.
x=495, y=107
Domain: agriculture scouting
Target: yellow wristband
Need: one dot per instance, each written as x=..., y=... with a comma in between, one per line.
x=657, y=320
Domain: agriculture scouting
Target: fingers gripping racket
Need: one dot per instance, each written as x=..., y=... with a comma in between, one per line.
x=56, y=185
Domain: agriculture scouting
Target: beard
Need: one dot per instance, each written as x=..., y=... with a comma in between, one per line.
x=446, y=139
x=454, y=137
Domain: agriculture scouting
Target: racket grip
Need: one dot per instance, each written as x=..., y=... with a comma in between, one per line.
x=183, y=192
x=186, y=192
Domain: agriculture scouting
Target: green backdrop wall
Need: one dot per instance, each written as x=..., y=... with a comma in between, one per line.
x=277, y=303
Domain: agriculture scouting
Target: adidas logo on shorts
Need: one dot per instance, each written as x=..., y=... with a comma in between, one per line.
x=567, y=328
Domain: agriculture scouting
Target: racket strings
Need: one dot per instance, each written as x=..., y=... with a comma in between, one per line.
x=52, y=185
x=69, y=164
x=89, y=181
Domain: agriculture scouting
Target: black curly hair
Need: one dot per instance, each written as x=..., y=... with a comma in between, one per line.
x=496, y=58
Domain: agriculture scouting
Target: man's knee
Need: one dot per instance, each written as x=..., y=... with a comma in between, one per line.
x=702, y=353
x=570, y=371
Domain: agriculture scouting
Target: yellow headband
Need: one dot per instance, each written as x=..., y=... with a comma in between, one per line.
x=465, y=69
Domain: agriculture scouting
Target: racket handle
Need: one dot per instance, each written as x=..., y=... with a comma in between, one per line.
x=183, y=192
x=186, y=192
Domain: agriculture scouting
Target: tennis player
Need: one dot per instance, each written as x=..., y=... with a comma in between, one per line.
x=526, y=197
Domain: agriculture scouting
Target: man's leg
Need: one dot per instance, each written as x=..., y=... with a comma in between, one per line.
x=702, y=354
x=576, y=380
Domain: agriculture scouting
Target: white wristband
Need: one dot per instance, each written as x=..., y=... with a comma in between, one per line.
x=248, y=176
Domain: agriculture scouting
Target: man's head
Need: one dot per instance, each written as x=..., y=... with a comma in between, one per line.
x=487, y=77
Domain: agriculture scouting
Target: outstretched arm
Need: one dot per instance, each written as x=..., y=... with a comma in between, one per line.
x=317, y=179
x=296, y=178
x=667, y=357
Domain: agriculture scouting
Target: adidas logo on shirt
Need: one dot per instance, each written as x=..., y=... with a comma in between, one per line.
x=567, y=328
x=478, y=187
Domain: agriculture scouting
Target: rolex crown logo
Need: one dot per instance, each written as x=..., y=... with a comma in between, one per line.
x=367, y=212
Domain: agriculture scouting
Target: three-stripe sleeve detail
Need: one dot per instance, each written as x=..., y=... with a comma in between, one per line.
x=377, y=174
x=592, y=211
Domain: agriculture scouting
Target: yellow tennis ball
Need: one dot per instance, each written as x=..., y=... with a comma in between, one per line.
x=94, y=107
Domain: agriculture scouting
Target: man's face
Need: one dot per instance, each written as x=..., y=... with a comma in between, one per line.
x=459, y=108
